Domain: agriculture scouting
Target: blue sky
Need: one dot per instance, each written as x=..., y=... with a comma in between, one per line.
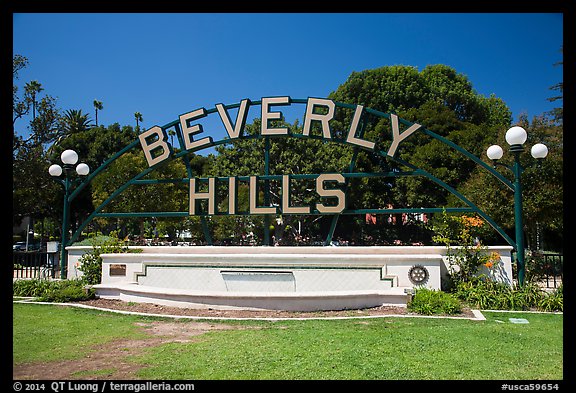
x=164, y=65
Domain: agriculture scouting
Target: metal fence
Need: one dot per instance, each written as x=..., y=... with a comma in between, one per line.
x=546, y=268
x=554, y=271
x=34, y=264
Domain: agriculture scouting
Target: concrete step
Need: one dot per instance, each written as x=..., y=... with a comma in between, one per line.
x=223, y=300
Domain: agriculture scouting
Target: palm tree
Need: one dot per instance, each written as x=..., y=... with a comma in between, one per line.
x=31, y=89
x=97, y=107
x=75, y=121
x=138, y=117
x=171, y=132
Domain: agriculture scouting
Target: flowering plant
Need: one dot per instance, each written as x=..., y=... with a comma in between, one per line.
x=466, y=254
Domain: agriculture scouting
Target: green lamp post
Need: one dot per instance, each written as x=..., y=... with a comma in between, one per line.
x=63, y=176
x=516, y=136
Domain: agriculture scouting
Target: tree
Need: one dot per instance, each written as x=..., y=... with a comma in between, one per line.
x=542, y=187
x=97, y=107
x=138, y=117
x=244, y=157
x=441, y=100
x=557, y=113
x=44, y=125
x=74, y=121
x=31, y=89
x=139, y=198
x=94, y=146
x=34, y=193
x=20, y=107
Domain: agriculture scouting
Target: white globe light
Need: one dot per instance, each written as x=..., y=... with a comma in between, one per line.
x=516, y=136
x=55, y=170
x=69, y=157
x=494, y=152
x=539, y=150
x=82, y=169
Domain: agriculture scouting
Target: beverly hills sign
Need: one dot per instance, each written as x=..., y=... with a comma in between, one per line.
x=154, y=143
x=214, y=196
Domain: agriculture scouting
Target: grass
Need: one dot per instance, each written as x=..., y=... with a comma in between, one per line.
x=374, y=349
x=51, y=333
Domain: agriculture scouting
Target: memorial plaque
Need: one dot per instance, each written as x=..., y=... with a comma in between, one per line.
x=117, y=270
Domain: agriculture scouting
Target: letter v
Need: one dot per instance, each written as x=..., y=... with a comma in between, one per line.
x=236, y=130
x=398, y=137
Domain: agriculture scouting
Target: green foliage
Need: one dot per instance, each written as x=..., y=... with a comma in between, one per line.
x=67, y=291
x=427, y=301
x=74, y=121
x=478, y=289
x=443, y=101
x=30, y=288
x=492, y=295
x=53, y=291
x=469, y=255
x=554, y=301
x=91, y=261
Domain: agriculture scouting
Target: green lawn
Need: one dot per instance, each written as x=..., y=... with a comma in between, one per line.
x=383, y=348
x=50, y=333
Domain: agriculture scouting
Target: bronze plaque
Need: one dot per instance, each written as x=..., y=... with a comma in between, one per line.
x=117, y=270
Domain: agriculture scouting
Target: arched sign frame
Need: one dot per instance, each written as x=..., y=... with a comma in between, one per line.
x=183, y=154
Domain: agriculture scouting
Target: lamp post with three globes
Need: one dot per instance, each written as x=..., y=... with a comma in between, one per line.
x=516, y=136
x=63, y=176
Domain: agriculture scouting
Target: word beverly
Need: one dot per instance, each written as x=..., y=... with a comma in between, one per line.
x=156, y=148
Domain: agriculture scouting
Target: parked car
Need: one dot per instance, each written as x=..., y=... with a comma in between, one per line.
x=21, y=246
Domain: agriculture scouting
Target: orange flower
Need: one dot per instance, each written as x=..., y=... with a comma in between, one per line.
x=472, y=221
x=489, y=264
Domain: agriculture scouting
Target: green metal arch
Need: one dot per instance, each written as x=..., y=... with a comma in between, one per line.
x=183, y=154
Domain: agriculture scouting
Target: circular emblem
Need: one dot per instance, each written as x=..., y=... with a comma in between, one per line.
x=418, y=275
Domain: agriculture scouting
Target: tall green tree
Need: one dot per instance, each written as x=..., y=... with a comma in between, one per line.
x=441, y=100
x=138, y=118
x=32, y=89
x=542, y=187
x=34, y=194
x=98, y=106
x=42, y=129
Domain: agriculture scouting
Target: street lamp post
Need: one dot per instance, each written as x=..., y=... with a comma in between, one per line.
x=69, y=159
x=516, y=136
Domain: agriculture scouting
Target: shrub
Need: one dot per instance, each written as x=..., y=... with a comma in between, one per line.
x=53, y=291
x=91, y=267
x=30, y=288
x=428, y=302
x=488, y=294
x=470, y=255
x=91, y=262
x=67, y=291
x=553, y=301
